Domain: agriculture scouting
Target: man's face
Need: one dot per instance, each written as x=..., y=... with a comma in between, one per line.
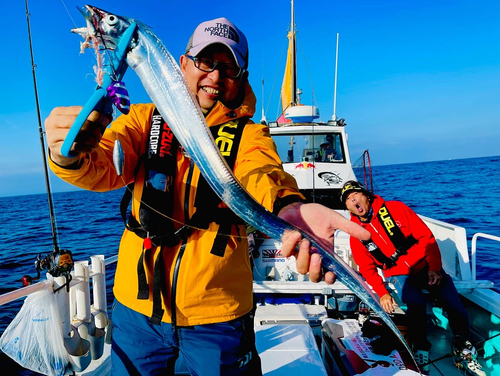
x=358, y=204
x=210, y=87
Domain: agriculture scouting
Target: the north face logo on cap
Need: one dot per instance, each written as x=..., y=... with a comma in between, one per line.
x=220, y=30
x=224, y=31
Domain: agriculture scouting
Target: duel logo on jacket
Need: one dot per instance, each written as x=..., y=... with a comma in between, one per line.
x=386, y=219
x=225, y=137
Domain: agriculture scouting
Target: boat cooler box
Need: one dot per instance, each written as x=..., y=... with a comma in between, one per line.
x=287, y=337
x=311, y=315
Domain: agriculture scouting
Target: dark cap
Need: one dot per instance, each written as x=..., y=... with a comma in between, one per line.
x=325, y=143
x=351, y=186
x=223, y=31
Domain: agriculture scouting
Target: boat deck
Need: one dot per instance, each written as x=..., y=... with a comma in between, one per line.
x=274, y=364
x=440, y=354
x=286, y=348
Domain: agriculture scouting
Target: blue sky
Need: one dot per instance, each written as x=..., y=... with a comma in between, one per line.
x=417, y=81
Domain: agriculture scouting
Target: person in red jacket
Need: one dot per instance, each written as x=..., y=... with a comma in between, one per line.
x=405, y=250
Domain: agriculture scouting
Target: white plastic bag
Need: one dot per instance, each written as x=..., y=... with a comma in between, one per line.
x=34, y=338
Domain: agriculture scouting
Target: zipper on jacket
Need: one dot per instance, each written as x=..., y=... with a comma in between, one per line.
x=173, y=305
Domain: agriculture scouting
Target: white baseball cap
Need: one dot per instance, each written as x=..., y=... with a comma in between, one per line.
x=223, y=31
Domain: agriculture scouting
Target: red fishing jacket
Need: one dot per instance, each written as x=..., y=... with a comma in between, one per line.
x=424, y=252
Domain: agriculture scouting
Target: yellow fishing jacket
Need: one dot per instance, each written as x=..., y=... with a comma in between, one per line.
x=209, y=288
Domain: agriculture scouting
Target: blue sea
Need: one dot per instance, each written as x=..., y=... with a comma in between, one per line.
x=463, y=192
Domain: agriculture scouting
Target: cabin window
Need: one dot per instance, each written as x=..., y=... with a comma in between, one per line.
x=320, y=147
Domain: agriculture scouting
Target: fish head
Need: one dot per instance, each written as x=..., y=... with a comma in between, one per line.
x=103, y=29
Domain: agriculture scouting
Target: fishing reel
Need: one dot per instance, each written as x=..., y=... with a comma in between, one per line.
x=58, y=263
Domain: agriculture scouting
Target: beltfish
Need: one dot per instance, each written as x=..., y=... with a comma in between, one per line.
x=165, y=84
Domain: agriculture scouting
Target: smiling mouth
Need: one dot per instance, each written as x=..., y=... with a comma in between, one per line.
x=211, y=90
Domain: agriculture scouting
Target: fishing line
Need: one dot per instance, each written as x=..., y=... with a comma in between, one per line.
x=69, y=14
x=181, y=223
x=106, y=49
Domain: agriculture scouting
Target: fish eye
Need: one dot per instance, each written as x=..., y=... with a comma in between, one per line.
x=111, y=19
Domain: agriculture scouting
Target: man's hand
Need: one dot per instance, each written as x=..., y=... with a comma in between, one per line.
x=434, y=278
x=387, y=302
x=321, y=222
x=57, y=126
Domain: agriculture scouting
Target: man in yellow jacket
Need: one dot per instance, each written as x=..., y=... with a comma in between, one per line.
x=181, y=288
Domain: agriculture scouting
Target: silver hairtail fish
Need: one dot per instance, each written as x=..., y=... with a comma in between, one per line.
x=166, y=86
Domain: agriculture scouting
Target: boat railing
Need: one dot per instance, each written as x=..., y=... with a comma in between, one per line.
x=28, y=290
x=452, y=241
x=473, y=249
x=82, y=312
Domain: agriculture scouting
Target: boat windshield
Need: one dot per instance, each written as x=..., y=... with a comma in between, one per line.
x=320, y=147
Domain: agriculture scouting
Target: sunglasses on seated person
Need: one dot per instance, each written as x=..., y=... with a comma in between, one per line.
x=206, y=64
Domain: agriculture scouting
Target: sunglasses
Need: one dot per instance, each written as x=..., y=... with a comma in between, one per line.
x=208, y=65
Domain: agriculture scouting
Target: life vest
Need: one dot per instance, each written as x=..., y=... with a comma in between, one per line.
x=155, y=223
x=397, y=238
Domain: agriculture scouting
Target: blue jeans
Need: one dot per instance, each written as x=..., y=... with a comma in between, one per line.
x=140, y=348
x=409, y=290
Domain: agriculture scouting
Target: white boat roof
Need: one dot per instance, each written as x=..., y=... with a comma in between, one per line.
x=305, y=128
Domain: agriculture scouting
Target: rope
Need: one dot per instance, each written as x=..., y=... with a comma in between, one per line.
x=274, y=82
x=313, y=96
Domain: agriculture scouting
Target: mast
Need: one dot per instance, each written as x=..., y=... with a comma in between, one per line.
x=294, y=59
x=42, y=143
x=263, y=119
x=335, y=86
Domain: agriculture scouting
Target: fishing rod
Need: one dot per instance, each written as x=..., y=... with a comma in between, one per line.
x=59, y=262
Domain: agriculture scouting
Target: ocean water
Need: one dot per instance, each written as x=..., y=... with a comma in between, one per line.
x=88, y=223
x=463, y=192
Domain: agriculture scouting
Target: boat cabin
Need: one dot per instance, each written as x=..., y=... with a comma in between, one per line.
x=316, y=155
